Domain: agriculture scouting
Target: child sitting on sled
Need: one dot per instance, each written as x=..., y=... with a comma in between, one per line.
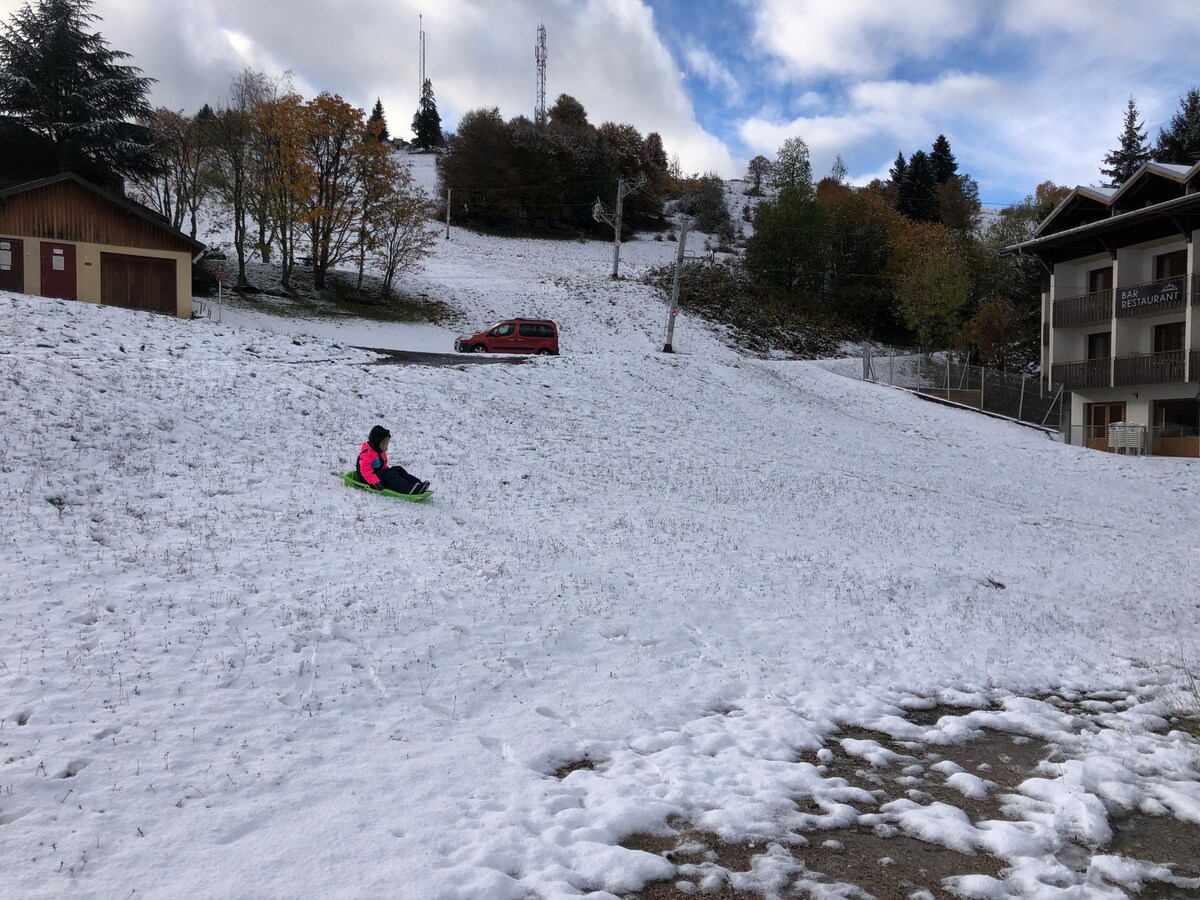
x=373, y=468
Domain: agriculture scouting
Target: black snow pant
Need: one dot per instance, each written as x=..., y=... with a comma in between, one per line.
x=395, y=478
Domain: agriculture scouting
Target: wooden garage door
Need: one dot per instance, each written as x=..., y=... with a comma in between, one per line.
x=138, y=282
x=12, y=261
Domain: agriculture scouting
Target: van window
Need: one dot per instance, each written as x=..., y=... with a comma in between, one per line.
x=545, y=331
x=531, y=331
x=503, y=330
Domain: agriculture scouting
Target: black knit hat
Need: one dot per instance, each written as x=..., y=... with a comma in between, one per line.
x=375, y=439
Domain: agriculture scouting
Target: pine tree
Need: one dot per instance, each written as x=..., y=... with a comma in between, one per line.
x=917, y=188
x=899, y=171
x=1120, y=164
x=426, y=123
x=62, y=81
x=377, y=123
x=945, y=166
x=1180, y=143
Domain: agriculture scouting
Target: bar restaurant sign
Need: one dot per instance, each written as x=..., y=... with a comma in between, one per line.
x=1148, y=298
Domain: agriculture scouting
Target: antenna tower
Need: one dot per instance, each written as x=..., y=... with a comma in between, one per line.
x=539, y=52
x=421, y=85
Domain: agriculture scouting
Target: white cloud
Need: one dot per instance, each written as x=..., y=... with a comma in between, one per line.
x=605, y=53
x=701, y=62
x=857, y=37
x=882, y=117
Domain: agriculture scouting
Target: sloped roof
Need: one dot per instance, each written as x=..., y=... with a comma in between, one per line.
x=1087, y=214
x=131, y=206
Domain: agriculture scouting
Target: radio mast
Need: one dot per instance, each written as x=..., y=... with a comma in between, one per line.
x=421, y=83
x=539, y=52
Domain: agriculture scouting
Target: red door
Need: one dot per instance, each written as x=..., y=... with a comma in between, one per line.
x=503, y=337
x=12, y=259
x=58, y=270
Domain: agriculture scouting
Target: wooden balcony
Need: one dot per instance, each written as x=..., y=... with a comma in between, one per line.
x=1194, y=365
x=1087, y=373
x=1152, y=298
x=1149, y=368
x=1196, y=290
x=1083, y=310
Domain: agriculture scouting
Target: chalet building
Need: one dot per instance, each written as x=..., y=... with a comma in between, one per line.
x=1119, y=311
x=63, y=237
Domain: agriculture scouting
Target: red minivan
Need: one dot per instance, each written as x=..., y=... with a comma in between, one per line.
x=538, y=336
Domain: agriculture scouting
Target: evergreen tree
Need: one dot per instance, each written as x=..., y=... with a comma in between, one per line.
x=426, y=123
x=944, y=164
x=792, y=167
x=917, y=192
x=62, y=81
x=1133, y=151
x=377, y=124
x=1180, y=143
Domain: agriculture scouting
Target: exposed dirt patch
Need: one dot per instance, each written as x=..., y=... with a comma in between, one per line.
x=1007, y=759
x=1161, y=840
x=889, y=867
x=929, y=717
x=882, y=861
x=567, y=768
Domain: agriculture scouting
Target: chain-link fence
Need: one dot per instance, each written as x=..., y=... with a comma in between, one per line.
x=953, y=377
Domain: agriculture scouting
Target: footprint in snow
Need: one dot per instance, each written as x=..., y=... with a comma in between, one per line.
x=439, y=709
x=304, y=678
x=551, y=714
x=498, y=746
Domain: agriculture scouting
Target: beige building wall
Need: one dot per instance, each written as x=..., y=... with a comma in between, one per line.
x=87, y=278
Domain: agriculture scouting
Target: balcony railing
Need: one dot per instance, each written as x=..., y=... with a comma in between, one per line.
x=1149, y=368
x=1196, y=290
x=1152, y=298
x=1087, y=373
x=1085, y=309
x=1194, y=365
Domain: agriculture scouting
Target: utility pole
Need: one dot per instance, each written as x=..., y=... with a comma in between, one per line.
x=674, y=311
x=449, y=191
x=601, y=213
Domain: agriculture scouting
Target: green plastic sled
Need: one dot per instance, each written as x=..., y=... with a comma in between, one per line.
x=350, y=480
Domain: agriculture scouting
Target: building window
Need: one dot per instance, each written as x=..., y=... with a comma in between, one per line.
x=1168, y=338
x=1099, y=345
x=1100, y=280
x=1177, y=418
x=1170, y=265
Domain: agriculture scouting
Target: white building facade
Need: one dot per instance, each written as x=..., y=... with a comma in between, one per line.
x=1119, y=311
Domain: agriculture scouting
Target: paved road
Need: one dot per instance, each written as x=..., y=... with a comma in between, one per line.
x=419, y=358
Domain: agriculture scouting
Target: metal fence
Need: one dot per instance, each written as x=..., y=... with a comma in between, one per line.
x=952, y=377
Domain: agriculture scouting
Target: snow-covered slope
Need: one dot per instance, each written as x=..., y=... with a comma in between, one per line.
x=224, y=674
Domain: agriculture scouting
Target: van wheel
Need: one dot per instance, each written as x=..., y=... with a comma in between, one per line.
x=479, y=348
x=545, y=351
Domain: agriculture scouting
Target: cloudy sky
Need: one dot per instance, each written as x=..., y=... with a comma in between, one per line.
x=1025, y=90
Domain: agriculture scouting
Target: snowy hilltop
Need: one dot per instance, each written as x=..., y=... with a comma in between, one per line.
x=670, y=624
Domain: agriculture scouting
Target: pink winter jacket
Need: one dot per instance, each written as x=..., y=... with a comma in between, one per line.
x=369, y=464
